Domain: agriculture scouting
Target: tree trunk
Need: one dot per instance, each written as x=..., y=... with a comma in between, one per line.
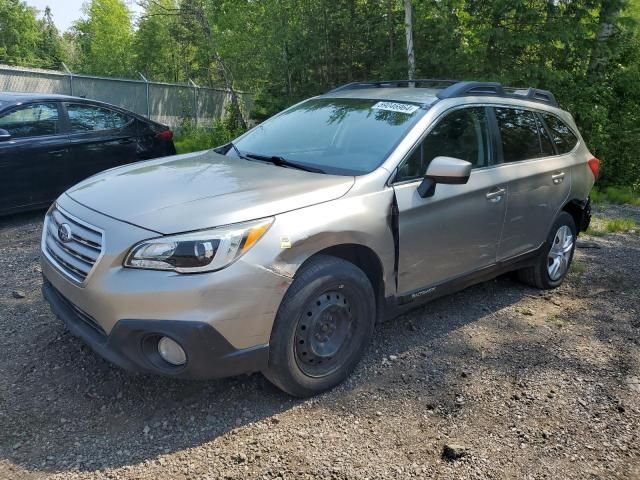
x=408, y=25
x=609, y=13
x=390, y=27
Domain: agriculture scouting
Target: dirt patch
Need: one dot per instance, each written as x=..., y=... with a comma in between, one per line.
x=498, y=381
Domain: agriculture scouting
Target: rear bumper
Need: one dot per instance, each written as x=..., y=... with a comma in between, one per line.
x=586, y=217
x=132, y=344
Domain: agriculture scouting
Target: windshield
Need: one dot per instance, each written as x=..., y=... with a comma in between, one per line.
x=339, y=136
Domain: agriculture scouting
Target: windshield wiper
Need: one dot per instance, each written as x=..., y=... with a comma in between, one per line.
x=237, y=150
x=281, y=161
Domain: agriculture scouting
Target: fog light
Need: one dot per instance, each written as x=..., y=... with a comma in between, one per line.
x=171, y=351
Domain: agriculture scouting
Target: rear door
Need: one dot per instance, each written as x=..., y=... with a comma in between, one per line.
x=100, y=139
x=33, y=161
x=537, y=179
x=456, y=231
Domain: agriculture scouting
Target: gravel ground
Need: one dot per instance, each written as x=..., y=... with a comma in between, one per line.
x=498, y=381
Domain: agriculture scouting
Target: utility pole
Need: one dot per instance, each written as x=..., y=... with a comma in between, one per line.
x=408, y=25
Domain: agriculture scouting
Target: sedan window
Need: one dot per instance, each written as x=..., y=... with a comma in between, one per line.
x=88, y=118
x=36, y=120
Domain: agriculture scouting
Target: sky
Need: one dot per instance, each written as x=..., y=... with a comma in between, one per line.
x=65, y=12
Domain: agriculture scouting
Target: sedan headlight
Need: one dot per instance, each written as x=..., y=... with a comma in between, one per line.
x=201, y=251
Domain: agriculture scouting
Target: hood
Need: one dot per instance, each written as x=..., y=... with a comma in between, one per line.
x=203, y=190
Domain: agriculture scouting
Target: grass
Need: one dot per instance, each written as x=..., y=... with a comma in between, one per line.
x=603, y=226
x=196, y=139
x=620, y=225
x=557, y=320
x=617, y=195
x=578, y=267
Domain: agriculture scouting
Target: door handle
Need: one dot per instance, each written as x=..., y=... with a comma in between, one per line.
x=57, y=153
x=557, y=178
x=496, y=195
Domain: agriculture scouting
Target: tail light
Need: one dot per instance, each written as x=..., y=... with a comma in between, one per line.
x=594, y=165
x=164, y=135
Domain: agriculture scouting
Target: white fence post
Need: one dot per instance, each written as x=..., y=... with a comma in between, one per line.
x=144, y=79
x=195, y=102
x=66, y=69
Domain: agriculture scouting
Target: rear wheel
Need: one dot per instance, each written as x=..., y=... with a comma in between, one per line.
x=323, y=327
x=555, y=259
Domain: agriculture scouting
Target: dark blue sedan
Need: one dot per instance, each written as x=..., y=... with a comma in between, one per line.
x=50, y=142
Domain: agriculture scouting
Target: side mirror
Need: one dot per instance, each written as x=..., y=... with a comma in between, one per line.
x=4, y=135
x=446, y=170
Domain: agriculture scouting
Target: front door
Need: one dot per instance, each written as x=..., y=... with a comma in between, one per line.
x=457, y=230
x=33, y=161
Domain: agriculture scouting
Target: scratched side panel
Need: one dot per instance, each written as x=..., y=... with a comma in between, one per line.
x=361, y=218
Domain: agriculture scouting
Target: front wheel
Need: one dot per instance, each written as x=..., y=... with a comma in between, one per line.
x=555, y=259
x=323, y=327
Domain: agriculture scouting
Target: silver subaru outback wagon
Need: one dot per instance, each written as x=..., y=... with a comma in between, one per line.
x=280, y=251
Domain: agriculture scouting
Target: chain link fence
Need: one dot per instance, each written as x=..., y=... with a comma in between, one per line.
x=168, y=103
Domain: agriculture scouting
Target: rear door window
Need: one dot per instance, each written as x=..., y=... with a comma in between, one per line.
x=520, y=135
x=562, y=136
x=90, y=118
x=35, y=120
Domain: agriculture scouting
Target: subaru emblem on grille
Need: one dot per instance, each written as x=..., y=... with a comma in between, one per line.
x=64, y=232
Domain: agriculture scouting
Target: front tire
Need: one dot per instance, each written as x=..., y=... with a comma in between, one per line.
x=322, y=328
x=554, y=261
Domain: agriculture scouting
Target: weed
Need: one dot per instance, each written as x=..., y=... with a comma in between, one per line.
x=602, y=226
x=618, y=195
x=620, y=225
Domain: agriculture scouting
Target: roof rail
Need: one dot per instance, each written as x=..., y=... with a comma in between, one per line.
x=455, y=88
x=418, y=83
x=464, y=89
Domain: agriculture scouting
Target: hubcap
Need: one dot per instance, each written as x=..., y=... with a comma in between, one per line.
x=560, y=253
x=323, y=334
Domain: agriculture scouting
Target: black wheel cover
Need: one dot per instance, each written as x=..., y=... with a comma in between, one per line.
x=324, y=333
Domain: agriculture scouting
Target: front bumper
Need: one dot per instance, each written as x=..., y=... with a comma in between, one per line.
x=223, y=319
x=131, y=344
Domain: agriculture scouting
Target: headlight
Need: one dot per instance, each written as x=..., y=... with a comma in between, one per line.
x=201, y=251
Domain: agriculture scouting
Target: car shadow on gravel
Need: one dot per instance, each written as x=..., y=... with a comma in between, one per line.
x=22, y=219
x=67, y=409
x=63, y=408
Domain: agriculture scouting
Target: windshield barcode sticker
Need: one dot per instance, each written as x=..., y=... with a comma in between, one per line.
x=396, y=107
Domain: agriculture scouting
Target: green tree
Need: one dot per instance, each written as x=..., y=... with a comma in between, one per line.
x=51, y=47
x=586, y=51
x=162, y=51
x=104, y=39
x=18, y=33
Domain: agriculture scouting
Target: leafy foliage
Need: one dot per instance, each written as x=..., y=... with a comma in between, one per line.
x=105, y=38
x=25, y=40
x=618, y=195
x=192, y=139
x=586, y=51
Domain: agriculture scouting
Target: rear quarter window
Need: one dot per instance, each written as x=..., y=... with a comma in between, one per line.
x=561, y=135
